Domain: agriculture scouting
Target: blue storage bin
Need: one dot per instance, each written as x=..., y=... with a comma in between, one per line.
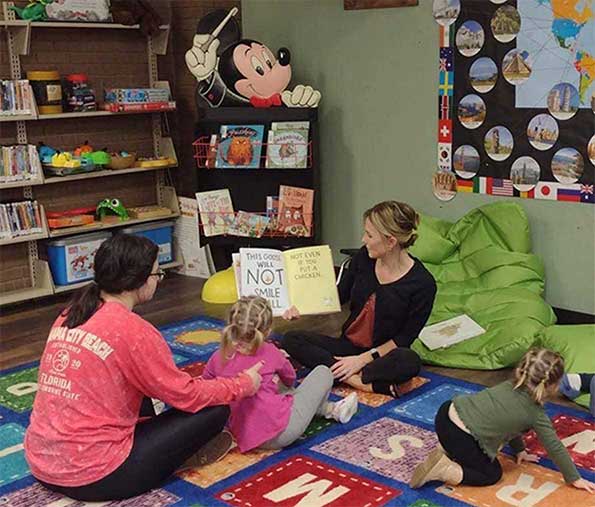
x=160, y=233
x=71, y=259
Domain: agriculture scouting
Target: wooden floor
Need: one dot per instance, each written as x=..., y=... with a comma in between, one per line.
x=24, y=327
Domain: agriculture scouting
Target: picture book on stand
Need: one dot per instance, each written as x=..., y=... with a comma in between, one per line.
x=300, y=277
x=287, y=145
x=240, y=146
x=216, y=211
x=295, y=210
x=250, y=225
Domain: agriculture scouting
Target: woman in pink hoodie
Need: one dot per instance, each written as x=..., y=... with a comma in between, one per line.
x=270, y=419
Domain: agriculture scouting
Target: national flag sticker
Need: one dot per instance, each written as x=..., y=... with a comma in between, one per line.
x=445, y=131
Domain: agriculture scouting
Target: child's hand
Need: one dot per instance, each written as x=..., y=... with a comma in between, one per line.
x=584, y=484
x=525, y=456
x=255, y=375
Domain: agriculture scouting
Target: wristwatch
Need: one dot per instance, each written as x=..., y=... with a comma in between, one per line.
x=375, y=353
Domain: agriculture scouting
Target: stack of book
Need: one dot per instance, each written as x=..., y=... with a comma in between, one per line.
x=119, y=100
x=19, y=163
x=16, y=98
x=20, y=219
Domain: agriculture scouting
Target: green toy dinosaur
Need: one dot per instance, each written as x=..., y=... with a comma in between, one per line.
x=35, y=11
x=111, y=207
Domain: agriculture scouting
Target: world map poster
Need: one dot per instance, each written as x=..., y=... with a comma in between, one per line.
x=516, y=105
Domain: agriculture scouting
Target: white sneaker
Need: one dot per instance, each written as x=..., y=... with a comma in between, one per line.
x=345, y=409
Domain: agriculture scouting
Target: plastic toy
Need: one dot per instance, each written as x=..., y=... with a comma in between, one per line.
x=83, y=148
x=234, y=71
x=99, y=157
x=45, y=153
x=220, y=288
x=34, y=11
x=64, y=159
x=155, y=162
x=111, y=207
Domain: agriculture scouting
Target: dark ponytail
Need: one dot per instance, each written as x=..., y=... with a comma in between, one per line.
x=122, y=263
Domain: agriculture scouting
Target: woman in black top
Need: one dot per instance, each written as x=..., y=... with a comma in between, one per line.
x=391, y=295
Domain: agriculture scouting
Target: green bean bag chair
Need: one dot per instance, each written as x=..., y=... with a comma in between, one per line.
x=576, y=344
x=484, y=268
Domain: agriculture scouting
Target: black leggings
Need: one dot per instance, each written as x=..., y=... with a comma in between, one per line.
x=460, y=446
x=161, y=445
x=312, y=349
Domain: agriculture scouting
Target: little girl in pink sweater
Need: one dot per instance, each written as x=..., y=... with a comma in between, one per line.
x=269, y=419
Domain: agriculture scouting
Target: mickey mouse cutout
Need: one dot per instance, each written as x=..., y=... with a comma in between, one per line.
x=244, y=71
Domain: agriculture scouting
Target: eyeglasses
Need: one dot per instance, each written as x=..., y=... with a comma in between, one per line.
x=160, y=274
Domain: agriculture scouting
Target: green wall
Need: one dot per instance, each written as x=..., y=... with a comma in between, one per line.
x=377, y=71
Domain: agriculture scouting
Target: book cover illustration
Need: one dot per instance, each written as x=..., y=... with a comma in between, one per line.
x=216, y=211
x=240, y=146
x=250, y=225
x=273, y=212
x=288, y=145
x=262, y=273
x=295, y=210
x=451, y=331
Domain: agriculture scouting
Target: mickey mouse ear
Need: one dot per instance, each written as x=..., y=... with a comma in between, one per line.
x=230, y=34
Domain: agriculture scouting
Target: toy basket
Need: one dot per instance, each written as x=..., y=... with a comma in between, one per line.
x=122, y=162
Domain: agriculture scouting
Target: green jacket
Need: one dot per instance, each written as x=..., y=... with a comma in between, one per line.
x=500, y=414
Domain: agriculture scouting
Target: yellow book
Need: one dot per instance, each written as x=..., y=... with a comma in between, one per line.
x=300, y=277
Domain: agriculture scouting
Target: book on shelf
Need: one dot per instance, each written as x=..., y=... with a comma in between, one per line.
x=272, y=211
x=19, y=163
x=20, y=219
x=240, y=146
x=196, y=260
x=216, y=211
x=250, y=225
x=136, y=95
x=287, y=145
x=118, y=107
x=300, y=277
x=16, y=97
x=451, y=331
x=295, y=210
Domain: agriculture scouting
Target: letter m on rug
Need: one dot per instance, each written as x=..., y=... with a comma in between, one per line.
x=317, y=494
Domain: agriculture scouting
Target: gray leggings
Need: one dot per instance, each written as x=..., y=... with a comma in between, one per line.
x=308, y=400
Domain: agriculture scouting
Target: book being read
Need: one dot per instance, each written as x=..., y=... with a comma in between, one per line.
x=451, y=331
x=300, y=277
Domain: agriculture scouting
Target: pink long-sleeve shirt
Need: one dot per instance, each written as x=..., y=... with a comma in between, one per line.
x=92, y=380
x=265, y=415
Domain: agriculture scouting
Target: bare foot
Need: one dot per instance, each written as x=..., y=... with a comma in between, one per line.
x=355, y=381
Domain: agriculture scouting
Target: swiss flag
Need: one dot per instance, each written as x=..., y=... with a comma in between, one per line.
x=445, y=131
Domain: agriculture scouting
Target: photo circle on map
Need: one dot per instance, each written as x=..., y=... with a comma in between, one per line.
x=524, y=173
x=567, y=165
x=483, y=74
x=471, y=111
x=516, y=67
x=466, y=161
x=563, y=101
x=446, y=11
x=498, y=143
x=470, y=38
x=542, y=132
x=505, y=23
x=591, y=150
x=444, y=185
